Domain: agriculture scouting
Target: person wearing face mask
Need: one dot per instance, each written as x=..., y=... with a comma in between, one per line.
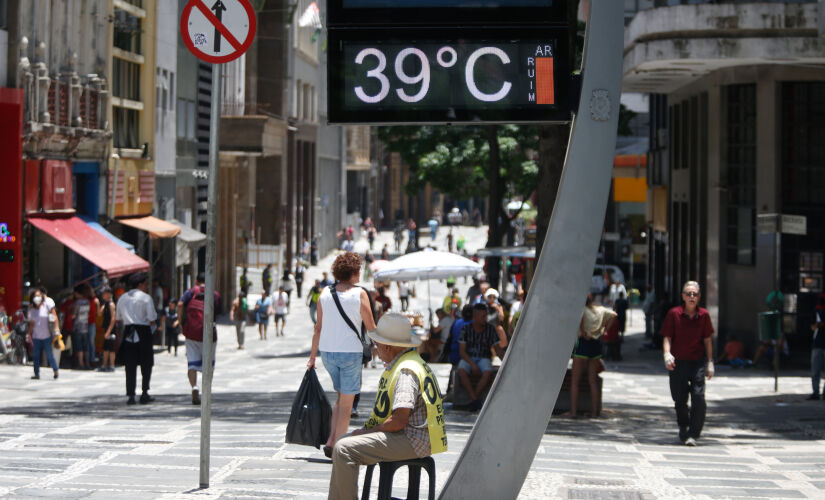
x=41, y=314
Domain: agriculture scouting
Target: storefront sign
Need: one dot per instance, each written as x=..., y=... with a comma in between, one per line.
x=782, y=223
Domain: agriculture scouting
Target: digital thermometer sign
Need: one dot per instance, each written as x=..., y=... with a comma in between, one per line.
x=426, y=79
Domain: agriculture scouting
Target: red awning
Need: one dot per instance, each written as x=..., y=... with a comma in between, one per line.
x=91, y=245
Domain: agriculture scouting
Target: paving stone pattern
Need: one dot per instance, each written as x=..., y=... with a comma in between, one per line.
x=76, y=438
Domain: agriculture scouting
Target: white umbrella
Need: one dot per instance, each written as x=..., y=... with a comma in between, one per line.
x=426, y=265
x=515, y=205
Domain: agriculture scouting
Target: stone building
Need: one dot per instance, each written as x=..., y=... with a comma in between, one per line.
x=737, y=126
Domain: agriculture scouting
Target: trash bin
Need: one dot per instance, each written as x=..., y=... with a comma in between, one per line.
x=770, y=325
x=634, y=296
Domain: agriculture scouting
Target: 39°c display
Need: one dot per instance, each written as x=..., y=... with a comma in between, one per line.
x=447, y=81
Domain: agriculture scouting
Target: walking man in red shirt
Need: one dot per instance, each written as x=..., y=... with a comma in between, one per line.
x=688, y=354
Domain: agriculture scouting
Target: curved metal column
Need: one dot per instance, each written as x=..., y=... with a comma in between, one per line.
x=509, y=429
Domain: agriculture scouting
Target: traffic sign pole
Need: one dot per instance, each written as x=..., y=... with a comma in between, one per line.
x=232, y=27
x=209, y=302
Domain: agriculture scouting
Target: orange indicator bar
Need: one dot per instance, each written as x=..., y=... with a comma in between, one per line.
x=545, y=93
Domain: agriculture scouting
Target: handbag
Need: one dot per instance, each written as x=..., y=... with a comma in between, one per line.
x=366, y=343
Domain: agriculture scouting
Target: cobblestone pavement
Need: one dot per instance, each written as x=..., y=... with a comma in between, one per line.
x=76, y=438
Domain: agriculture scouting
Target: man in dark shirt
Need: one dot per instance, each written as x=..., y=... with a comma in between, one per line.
x=474, y=291
x=382, y=298
x=474, y=344
x=688, y=354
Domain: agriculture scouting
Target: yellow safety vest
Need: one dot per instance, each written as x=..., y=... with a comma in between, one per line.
x=430, y=393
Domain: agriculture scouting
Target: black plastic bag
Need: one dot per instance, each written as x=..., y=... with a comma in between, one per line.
x=311, y=417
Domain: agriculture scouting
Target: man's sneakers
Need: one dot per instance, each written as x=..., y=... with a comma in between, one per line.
x=131, y=400
x=145, y=398
x=475, y=405
x=196, y=396
x=685, y=438
x=812, y=397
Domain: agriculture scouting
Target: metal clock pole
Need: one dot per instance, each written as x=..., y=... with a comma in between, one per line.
x=208, y=299
x=494, y=464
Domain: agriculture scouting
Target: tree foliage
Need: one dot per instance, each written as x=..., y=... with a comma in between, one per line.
x=455, y=159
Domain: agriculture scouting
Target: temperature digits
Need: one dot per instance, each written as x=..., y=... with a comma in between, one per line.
x=446, y=57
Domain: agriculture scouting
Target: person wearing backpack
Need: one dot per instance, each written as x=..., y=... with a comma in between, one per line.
x=238, y=314
x=341, y=307
x=191, y=308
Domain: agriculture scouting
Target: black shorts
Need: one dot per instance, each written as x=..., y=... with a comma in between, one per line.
x=281, y=317
x=588, y=348
x=109, y=344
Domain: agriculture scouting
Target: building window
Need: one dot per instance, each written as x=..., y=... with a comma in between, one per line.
x=171, y=91
x=158, y=88
x=126, y=127
x=296, y=99
x=186, y=119
x=164, y=90
x=740, y=161
x=181, y=127
x=127, y=31
x=803, y=150
x=4, y=24
x=125, y=79
x=306, y=96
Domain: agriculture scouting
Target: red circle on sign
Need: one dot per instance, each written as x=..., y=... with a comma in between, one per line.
x=184, y=32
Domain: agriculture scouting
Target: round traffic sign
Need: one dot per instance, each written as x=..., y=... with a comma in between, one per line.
x=218, y=31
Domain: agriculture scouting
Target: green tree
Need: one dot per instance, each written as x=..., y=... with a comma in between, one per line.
x=497, y=161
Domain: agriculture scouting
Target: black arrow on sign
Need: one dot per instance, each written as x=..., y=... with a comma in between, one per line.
x=219, y=8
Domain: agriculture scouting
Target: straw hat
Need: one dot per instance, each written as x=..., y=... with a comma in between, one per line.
x=491, y=291
x=395, y=329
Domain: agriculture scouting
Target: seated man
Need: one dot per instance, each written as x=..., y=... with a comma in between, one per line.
x=734, y=353
x=474, y=344
x=408, y=419
x=439, y=334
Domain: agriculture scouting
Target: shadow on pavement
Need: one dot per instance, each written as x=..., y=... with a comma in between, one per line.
x=742, y=420
x=301, y=354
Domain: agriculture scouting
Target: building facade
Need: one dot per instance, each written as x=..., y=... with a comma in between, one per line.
x=737, y=102
x=58, y=56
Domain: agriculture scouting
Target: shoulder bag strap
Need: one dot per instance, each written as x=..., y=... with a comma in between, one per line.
x=348, y=321
x=372, y=311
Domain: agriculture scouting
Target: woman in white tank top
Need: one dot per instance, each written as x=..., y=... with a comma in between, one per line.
x=340, y=345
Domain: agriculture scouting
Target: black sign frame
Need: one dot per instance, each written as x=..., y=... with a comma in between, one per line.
x=339, y=113
x=520, y=12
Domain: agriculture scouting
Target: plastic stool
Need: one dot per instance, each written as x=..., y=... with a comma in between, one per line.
x=387, y=470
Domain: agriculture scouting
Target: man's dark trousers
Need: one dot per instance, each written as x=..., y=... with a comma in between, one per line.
x=140, y=353
x=688, y=379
